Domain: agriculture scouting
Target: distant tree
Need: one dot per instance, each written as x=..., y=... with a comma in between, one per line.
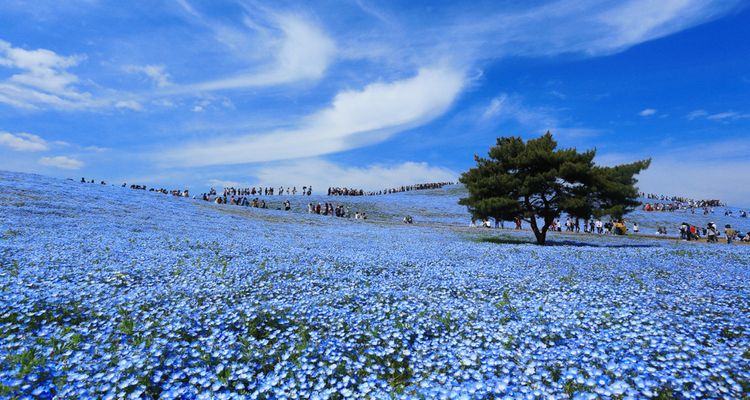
x=535, y=180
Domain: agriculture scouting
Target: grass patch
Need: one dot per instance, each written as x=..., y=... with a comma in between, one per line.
x=10, y=234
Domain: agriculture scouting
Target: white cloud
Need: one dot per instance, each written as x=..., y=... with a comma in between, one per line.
x=97, y=149
x=23, y=141
x=129, y=105
x=720, y=117
x=597, y=27
x=157, y=73
x=511, y=107
x=322, y=174
x=728, y=116
x=43, y=80
x=719, y=173
x=303, y=52
x=208, y=101
x=647, y=112
x=696, y=114
x=718, y=179
x=638, y=21
x=61, y=162
x=356, y=118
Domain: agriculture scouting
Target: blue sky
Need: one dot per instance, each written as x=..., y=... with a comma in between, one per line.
x=189, y=93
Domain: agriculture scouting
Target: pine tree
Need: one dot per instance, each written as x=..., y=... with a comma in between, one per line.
x=536, y=181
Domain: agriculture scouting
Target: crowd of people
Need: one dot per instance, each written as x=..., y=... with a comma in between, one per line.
x=684, y=200
x=712, y=233
x=83, y=180
x=265, y=191
x=341, y=211
x=244, y=197
x=741, y=213
x=573, y=225
x=672, y=203
x=239, y=199
x=343, y=191
x=619, y=227
x=173, y=192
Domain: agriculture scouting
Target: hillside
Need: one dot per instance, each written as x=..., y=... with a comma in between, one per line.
x=107, y=291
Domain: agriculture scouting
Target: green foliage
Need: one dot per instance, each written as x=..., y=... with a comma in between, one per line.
x=665, y=393
x=26, y=361
x=12, y=269
x=572, y=387
x=224, y=375
x=10, y=233
x=535, y=180
x=729, y=333
x=127, y=323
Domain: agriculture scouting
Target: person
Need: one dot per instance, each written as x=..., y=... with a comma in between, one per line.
x=711, y=233
x=730, y=233
x=636, y=228
x=408, y=219
x=746, y=238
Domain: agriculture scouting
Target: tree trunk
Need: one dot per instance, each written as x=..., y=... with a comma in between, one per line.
x=541, y=236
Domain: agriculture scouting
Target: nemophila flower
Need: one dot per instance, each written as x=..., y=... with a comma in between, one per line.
x=139, y=296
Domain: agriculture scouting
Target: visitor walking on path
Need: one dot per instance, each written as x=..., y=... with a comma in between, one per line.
x=730, y=232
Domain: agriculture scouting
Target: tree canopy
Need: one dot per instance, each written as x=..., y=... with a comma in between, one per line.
x=534, y=180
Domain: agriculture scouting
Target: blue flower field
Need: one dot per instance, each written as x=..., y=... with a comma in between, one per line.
x=110, y=293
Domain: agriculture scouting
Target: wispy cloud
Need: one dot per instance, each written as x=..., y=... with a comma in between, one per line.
x=647, y=112
x=157, y=73
x=23, y=141
x=696, y=114
x=724, y=116
x=41, y=79
x=512, y=107
x=356, y=118
x=302, y=52
x=728, y=116
x=720, y=175
x=61, y=162
x=129, y=105
x=584, y=27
